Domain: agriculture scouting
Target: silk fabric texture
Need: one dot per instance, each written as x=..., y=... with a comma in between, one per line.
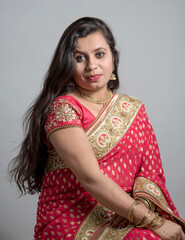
x=126, y=149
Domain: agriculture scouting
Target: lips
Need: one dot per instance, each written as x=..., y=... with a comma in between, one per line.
x=93, y=77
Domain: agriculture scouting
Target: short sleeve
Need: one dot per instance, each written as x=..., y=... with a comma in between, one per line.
x=62, y=114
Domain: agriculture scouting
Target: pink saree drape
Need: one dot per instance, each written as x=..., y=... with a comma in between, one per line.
x=126, y=149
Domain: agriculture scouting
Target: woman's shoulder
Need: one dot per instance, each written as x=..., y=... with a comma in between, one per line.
x=131, y=105
x=64, y=106
x=66, y=100
x=63, y=112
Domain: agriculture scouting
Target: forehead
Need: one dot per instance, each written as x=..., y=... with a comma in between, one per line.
x=92, y=41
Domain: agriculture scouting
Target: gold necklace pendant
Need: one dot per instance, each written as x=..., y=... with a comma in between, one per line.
x=98, y=101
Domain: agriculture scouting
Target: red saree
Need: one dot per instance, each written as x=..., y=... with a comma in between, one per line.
x=125, y=146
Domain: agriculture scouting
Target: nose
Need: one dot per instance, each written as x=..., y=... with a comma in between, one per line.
x=91, y=64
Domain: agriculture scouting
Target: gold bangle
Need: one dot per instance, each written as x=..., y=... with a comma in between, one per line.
x=131, y=212
x=159, y=223
x=148, y=225
x=153, y=221
x=146, y=202
x=147, y=215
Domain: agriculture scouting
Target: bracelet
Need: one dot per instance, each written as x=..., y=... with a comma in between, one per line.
x=131, y=212
x=152, y=222
x=147, y=215
x=146, y=202
x=161, y=221
x=155, y=223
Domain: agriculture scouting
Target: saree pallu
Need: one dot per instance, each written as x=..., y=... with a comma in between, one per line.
x=126, y=149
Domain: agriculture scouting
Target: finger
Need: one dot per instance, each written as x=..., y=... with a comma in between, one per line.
x=178, y=237
x=124, y=223
x=182, y=235
x=114, y=216
x=117, y=221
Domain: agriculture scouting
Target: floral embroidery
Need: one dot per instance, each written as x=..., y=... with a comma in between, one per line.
x=145, y=187
x=126, y=106
x=65, y=113
x=116, y=122
x=89, y=233
x=114, y=126
x=98, y=217
x=103, y=138
x=104, y=214
x=54, y=162
x=153, y=189
x=61, y=112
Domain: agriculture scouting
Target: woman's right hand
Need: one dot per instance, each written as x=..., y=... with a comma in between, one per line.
x=170, y=231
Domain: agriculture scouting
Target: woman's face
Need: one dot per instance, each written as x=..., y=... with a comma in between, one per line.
x=94, y=62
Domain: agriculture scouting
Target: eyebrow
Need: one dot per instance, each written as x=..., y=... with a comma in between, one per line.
x=95, y=50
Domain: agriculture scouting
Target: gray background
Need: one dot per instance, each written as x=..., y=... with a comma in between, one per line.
x=150, y=35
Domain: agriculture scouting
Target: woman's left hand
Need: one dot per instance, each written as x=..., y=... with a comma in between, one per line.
x=118, y=221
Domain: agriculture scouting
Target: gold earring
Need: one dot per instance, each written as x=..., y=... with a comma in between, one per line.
x=113, y=77
x=71, y=83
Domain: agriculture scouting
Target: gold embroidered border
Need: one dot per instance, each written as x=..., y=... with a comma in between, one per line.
x=142, y=188
x=101, y=116
x=94, y=222
x=111, y=233
x=54, y=162
x=104, y=126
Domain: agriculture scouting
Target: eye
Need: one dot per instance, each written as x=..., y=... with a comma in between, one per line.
x=100, y=54
x=80, y=58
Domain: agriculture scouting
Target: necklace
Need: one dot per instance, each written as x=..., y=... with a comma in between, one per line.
x=90, y=99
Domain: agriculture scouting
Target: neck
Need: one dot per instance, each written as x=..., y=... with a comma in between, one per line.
x=96, y=100
x=96, y=94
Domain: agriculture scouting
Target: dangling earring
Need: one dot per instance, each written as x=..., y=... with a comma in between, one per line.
x=113, y=77
x=71, y=83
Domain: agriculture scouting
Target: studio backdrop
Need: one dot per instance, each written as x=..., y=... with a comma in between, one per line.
x=150, y=36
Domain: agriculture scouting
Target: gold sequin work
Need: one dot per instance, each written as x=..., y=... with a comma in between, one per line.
x=62, y=111
x=98, y=217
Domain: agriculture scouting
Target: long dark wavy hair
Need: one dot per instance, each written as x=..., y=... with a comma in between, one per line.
x=27, y=169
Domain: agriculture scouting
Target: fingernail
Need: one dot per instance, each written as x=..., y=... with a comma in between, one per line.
x=120, y=227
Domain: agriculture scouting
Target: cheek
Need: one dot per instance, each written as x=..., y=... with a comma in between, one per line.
x=78, y=72
x=109, y=67
x=109, y=63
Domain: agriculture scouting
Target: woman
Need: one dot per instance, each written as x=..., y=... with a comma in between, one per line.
x=92, y=152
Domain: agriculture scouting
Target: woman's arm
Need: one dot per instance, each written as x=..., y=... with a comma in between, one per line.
x=75, y=150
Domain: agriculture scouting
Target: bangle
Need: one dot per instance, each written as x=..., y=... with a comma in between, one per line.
x=131, y=212
x=153, y=221
x=161, y=221
x=146, y=202
x=147, y=215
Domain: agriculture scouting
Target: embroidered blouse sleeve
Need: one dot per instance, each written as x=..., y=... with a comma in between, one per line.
x=62, y=114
